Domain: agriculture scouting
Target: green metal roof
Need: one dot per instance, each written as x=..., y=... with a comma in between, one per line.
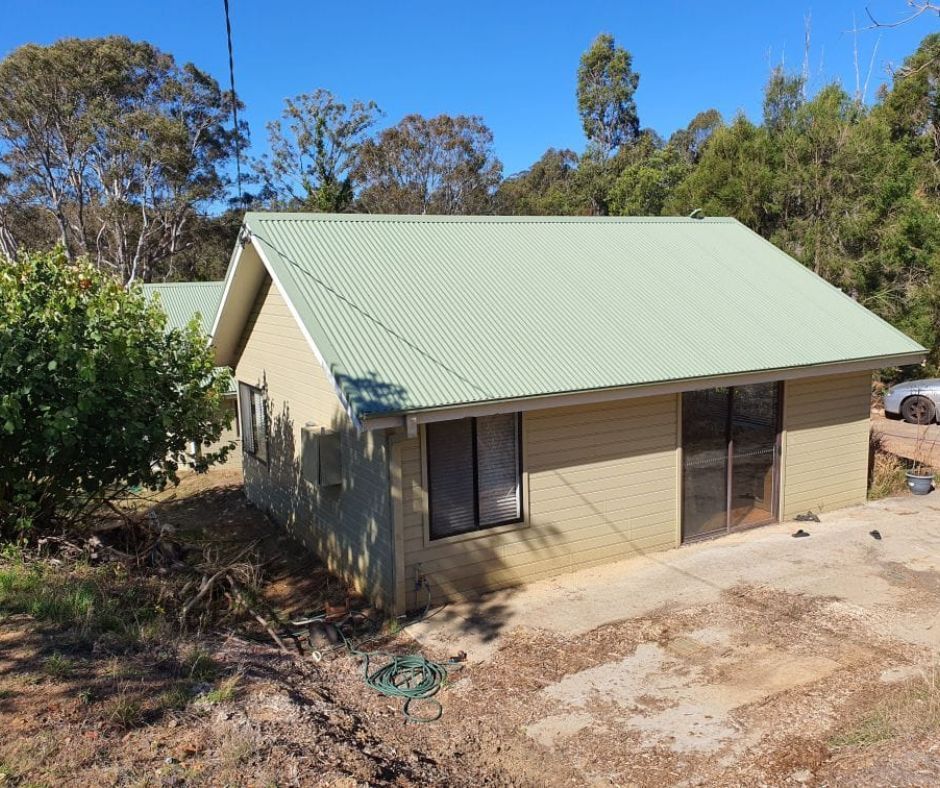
x=182, y=300
x=413, y=313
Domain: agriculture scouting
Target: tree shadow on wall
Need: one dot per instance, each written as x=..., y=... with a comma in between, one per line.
x=350, y=526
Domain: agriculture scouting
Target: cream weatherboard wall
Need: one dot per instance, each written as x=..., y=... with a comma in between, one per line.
x=825, y=443
x=600, y=482
x=347, y=525
x=230, y=435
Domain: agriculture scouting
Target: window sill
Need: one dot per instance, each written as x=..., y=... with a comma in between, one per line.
x=481, y=533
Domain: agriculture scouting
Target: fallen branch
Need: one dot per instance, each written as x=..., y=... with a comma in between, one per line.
x=240, y=598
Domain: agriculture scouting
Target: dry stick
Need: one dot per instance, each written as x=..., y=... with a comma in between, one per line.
x=259, y=618
x=207, y=584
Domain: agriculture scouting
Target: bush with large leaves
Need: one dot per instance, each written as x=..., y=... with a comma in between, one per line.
x=96, y=395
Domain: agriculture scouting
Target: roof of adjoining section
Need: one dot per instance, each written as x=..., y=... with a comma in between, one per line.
x=182, y=300
x=415, y=313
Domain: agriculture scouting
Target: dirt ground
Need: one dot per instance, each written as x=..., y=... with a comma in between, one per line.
x=737, y=681
x=912, y=441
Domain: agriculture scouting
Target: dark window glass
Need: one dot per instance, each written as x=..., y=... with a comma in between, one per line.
x=474, y=474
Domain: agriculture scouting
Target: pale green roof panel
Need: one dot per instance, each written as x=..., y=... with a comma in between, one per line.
x=413, y=313
x=183, y=300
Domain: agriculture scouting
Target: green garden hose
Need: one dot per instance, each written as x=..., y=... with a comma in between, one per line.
x=410, y=676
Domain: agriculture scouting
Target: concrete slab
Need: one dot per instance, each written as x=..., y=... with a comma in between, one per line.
x=883, y=581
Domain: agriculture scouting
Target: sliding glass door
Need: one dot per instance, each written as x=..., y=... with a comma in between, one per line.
x=705, y=462
x=729, y=458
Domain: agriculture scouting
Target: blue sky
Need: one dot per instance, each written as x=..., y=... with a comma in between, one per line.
x=514, y=63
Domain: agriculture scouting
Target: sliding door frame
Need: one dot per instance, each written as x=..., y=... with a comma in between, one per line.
x=729, y=478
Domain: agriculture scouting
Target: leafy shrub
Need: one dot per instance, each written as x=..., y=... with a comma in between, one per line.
x=96, y=395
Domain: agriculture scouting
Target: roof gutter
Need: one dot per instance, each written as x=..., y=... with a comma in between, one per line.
x=410, y=420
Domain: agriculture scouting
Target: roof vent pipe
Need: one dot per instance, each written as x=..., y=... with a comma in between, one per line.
x=698, y=213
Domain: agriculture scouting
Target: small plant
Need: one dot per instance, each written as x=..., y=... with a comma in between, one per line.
x=886, y=470
x=200, y=666
x=237, y=749
x=177, y=697
x=124, y=712
x=226, y=691
x=57, y=666
x=873, y=729
x=923, y=452
x=910, y=709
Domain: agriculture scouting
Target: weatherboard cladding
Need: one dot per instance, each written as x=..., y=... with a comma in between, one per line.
x=183, y=300
x=413, y=313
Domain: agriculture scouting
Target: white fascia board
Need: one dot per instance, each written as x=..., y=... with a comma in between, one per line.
x=229, y=278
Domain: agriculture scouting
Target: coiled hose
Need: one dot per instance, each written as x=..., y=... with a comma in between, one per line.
x=410, y=676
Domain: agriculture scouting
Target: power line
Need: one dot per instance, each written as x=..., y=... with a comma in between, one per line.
x=231, y=75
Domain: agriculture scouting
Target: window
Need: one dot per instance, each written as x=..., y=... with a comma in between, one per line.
x=474, y=474
x=254, y=421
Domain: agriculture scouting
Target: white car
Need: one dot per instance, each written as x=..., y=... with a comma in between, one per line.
x=915, y=401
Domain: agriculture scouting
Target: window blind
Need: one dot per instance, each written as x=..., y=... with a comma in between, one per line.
x=473, y=474
x=254, y=421
x=244, y=406
x=450, y=478
x=498, y=469
x=259, y=422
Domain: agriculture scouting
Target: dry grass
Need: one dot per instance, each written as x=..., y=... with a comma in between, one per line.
x=887, y=470
x=912, y=709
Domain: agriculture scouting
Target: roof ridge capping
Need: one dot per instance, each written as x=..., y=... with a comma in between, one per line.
x=478, y=219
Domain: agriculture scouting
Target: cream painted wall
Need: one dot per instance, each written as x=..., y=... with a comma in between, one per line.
x=349, y=526
x=825, y=443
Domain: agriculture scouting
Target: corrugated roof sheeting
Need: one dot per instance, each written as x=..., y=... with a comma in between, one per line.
x=413, y=313
x=182, y=300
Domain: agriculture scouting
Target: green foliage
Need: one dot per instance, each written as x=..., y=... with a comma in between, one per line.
x=112, y=146
x=606, y=84
x=441, y=165
x=88, y=602
x=95, y=394
x=548, y=188
x=312, y=161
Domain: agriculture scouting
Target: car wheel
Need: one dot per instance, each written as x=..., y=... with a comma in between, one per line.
x=918, y=410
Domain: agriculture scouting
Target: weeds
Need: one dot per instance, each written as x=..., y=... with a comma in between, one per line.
x=124, y=712
x=177, y=697
x=886, y=475
x=199, y=665
x=57, y=666
x=910, y=710
x=88, y=601
x=873, y=729
x=226, y=691
x=237, y=749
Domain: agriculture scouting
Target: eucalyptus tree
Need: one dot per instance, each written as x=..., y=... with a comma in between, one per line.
x=440, y=165
x=314, y=152
x=117, y=143
x=606, y=86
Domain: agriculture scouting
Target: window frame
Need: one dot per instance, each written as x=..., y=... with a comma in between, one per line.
x=478, y=530
x=249, y=440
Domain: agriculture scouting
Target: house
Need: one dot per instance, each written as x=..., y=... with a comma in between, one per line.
x=469, y=403
x=182, y=301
